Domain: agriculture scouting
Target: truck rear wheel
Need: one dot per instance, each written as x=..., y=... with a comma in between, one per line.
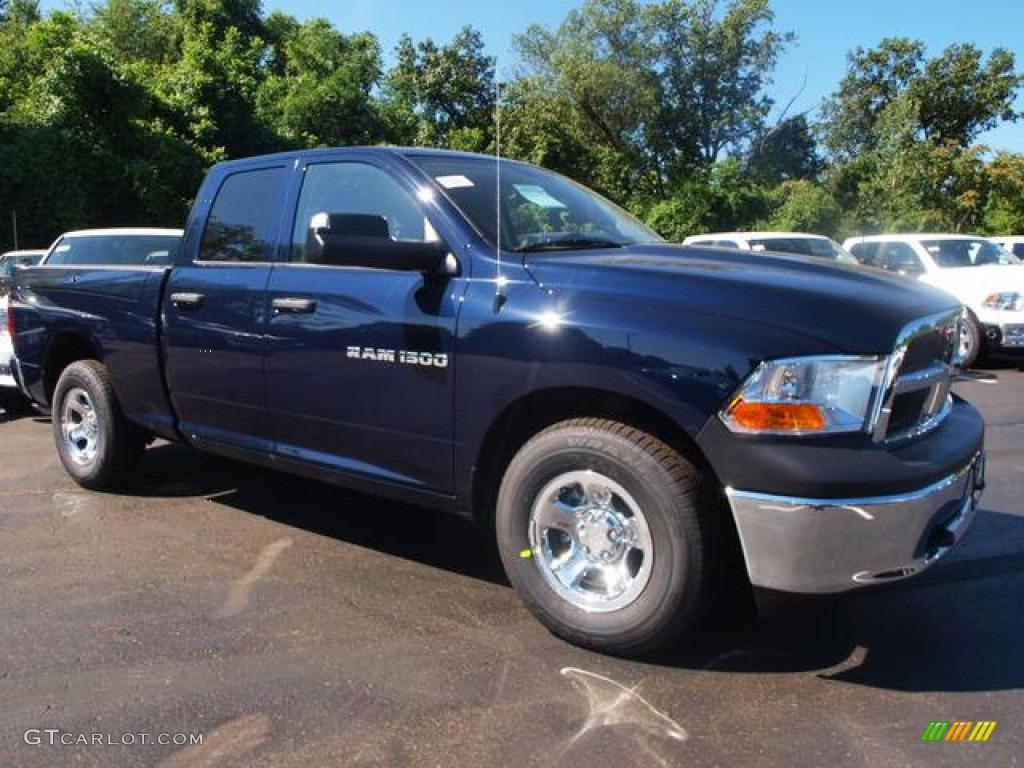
x=602, y=529
x=98, y=447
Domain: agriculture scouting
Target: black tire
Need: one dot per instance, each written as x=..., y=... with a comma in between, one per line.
x=971, y=341
x=98, y=447
x=602, y=478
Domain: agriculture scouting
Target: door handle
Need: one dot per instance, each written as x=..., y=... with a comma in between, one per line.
x=187, y=300
x=293, y=304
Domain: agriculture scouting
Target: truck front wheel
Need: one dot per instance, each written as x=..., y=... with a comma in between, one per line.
x=98, y=447
x=603, y=530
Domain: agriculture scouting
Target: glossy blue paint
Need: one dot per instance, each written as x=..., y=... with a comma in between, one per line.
x=108, y=310
x=213, y=352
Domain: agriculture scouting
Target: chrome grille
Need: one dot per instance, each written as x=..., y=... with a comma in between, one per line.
x=916, y=393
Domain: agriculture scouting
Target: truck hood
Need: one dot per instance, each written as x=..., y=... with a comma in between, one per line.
x=854, y=309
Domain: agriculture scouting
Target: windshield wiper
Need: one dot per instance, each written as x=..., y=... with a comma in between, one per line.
x=580, y=242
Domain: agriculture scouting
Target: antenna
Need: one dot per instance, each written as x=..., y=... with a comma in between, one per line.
x=499, y=280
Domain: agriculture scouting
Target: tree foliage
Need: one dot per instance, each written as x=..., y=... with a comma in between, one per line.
x=109, y=114
x=446, y=93
x=901, y=131
x=665, y=89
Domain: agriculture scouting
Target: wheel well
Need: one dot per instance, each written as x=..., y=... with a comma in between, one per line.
x=529, y=415
x=66, y=349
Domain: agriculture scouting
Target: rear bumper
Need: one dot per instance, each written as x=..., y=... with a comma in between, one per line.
x=832, y=545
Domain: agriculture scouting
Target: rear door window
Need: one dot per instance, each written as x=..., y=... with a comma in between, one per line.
x=242, y=225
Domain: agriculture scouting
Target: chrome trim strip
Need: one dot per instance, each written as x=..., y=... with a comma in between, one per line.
x=894, y=384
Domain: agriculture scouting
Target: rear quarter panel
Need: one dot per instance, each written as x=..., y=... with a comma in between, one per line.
x=111, y=311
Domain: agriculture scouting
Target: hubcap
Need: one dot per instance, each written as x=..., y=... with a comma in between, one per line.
x=80, y=426
x=590, y=541
x=966, y=339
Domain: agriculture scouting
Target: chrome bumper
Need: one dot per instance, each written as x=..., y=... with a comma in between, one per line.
x=834, y=545
x=1011, y=335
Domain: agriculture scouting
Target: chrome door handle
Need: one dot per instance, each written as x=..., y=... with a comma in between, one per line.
x=293, y=304
x=187, y=300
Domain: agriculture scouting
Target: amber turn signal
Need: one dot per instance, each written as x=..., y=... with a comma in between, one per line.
x=777, y=417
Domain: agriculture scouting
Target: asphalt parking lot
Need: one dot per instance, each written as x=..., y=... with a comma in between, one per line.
x=287, y=623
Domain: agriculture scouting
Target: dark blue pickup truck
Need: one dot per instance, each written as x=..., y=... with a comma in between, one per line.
x=492, y=339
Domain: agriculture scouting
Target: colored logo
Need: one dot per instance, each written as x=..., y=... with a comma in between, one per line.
x=959, y=730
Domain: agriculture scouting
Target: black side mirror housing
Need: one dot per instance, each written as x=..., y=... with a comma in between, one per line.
x=362, y=240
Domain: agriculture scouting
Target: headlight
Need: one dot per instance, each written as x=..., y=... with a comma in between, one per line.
x=1011, y=301
x=807, y=395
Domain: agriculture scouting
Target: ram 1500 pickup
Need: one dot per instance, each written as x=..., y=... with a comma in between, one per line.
x=492, y=339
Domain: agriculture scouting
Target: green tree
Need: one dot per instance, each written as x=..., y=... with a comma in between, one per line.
x=599, y=66
x=722, y=198
x=960, y=97
x=956, y=95
x=1004, y=209
x=901, y=129
x=323, y=94
x=135, y=31
x=714, y=62
x=786, y=152
x=874, y=79
x=663, y=89
x=800, y=205
x=444, y=93
x=210, y=87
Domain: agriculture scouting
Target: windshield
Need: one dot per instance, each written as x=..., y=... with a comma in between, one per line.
x=540, y=210
x=820, y=247
x=954, y=253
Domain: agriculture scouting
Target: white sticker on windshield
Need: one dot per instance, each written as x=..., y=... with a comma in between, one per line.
x=538, y=196
x=454, y=182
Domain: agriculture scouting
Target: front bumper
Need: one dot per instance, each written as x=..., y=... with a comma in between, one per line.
x=833, y=545
x=1005, y=335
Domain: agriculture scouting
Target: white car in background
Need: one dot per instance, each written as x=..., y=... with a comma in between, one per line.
x=800, y=243
x=8, y=262
x=985, y=277
x=1014, y=244
x=115, y=247
x=111, y=247
x=6, y=351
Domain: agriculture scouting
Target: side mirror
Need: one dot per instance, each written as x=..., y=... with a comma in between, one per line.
x=362, y=240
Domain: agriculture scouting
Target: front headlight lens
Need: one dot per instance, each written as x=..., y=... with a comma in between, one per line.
x=1012, y=301
x=812, y=395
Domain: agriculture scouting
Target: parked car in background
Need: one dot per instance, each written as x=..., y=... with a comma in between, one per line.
x=6, y=352
x=1014, y=244
x=111, y=247
x=987, y=278
x=13, y=259
x=9, y=395
x=115, y=247
x=781, y=242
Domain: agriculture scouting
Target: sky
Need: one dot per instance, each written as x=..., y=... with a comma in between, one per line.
x=808, y=71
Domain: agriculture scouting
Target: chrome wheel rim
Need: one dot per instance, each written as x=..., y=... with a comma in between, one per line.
x=80, y=426
x=590, y=541
x=966, y=341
